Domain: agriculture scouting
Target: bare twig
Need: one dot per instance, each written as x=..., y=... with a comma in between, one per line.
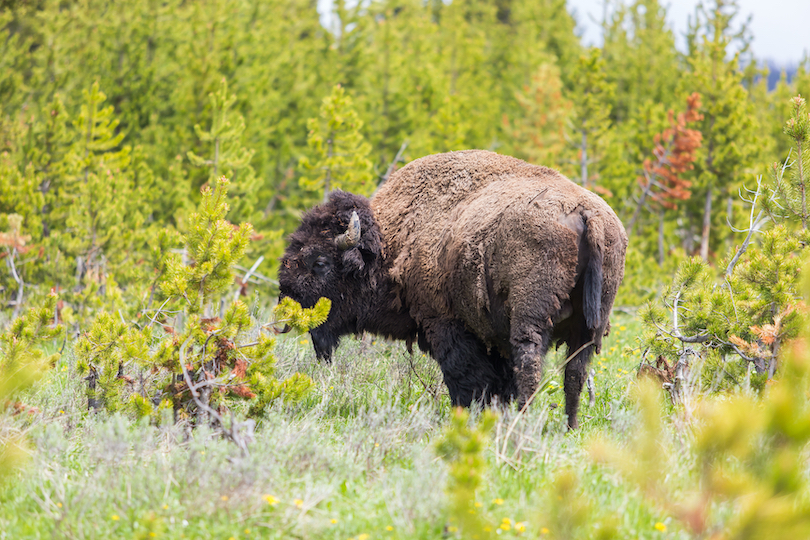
x=393, y=164
x=754, y=225
x=12, y=254
x=247, y=277
x=255, y=276
x=157, y=313
x=233, y=433
x=700, y=338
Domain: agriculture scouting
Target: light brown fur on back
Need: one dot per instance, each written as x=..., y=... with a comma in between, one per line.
x=467, y=229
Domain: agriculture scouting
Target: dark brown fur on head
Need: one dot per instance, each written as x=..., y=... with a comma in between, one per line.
x=354, y=279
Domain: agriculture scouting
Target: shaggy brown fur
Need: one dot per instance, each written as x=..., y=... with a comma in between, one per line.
x=486, y=260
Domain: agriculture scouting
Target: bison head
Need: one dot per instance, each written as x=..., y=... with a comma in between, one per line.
x=335, y=253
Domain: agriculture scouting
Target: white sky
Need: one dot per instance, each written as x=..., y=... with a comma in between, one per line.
x=781, y=28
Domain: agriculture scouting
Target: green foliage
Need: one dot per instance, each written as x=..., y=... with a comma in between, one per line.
x=462, y=447
x=593, y=96
x=644, y=277
x=568, y=514
x=742, y=319
x=23, y=360
x=745, y=452
x=212, y=247
x=640, y=48
x=288, y=311
x=538, y=133
x=200, y=362
x=793, y=192
x=340, y=155
x=229, y=158
x=730, y=133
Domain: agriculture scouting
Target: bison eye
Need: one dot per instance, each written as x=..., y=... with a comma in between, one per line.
x=321, y=266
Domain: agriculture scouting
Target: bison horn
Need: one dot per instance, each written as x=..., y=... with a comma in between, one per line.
x=351, y=237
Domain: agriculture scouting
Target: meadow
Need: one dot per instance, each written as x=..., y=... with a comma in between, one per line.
x=355, y=459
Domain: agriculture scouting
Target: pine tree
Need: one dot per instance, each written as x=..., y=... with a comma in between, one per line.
x=23, y=359
x=643, y=61
x=797, y=128
x=197, y=341
x=101, y=212
x=593, y=97
x=227, y=156
x=728, y=128
x=673, y=155
x=538, y=132
x=340, y=155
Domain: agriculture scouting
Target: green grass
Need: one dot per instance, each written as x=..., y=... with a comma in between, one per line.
x=355, y=459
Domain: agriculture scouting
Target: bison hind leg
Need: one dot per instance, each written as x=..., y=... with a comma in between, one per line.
x=471, y=373
x=580, y=349
x=529, y=356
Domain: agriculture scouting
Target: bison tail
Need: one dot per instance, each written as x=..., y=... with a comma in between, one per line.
x=592, y=297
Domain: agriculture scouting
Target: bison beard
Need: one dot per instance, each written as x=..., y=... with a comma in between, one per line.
x=484, y=260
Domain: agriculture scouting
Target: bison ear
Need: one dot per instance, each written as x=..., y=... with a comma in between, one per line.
x=353, y=262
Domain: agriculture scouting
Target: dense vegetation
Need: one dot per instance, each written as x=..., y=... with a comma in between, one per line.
x=154, y=154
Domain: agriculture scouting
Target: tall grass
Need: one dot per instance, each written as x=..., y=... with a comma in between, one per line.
x=355, y=459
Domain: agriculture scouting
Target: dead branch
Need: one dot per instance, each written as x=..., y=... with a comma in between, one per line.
x=753, y=226
x=247, y=277
x=233, y=433
x=393, y=164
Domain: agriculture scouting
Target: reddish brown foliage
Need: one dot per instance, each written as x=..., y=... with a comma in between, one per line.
x=661, y=371
x=240, y=369
x=673, y=155
x=242, y=391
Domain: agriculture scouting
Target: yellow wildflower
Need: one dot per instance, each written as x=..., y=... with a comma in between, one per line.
x=224, y=497
x=272, y=501
x=333, y=521
x=389, y=528
x=498, y=501
x=660, y=527
x=114, y=517
x=544, y=531
x=298, y=502
x=478, y=504
x=363, y=536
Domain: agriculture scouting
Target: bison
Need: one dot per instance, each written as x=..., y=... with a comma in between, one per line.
x=481, y=259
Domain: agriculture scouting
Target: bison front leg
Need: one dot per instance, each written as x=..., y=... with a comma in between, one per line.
x=468, y=370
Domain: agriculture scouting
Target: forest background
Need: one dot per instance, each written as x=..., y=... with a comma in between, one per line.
x=115, y=114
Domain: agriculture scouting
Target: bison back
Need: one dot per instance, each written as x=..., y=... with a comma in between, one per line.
x=483, y=237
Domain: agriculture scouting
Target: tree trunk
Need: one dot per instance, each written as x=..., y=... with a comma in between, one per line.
x=707, y=223
x=801, y=184
x=327, y=181
x=583, y=161
x=661, y=238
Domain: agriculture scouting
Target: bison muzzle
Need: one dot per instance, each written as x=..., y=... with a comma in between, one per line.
x=483, y=260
